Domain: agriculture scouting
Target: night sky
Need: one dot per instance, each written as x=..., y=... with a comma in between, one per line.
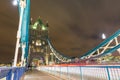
x=75, y=26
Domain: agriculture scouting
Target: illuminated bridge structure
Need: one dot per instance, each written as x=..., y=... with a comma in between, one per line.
x=39, y=53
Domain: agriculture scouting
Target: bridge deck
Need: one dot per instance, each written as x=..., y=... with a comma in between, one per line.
x=38, y=75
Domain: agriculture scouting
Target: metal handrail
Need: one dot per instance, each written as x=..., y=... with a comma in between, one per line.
x=83, y=72
x=12, y=73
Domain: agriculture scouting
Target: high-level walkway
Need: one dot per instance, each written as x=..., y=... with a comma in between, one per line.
x=38, y=75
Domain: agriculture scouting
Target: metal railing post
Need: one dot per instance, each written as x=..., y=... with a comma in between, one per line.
x=108, y=73
x=9, y=76
x=68, y=73
x=60, y=73
x=81, y=73
x=16, y=75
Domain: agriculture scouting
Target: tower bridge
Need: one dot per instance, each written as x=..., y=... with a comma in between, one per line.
x=47, y=63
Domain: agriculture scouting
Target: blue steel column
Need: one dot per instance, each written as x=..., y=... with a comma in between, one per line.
x=21, y=7
x=25, y=30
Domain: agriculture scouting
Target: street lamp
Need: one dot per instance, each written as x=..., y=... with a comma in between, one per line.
x=14, y=2
x=103, y=36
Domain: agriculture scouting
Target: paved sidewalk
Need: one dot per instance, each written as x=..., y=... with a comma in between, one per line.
x=38, y=75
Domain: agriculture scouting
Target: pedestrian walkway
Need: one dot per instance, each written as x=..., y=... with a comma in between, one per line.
x=38, y=75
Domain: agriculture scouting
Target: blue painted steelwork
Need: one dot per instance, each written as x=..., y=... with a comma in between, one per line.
x=108, y=73
x=116, y=34
x=25, y=27
x=9, y=75
x=58, y=54
x=7, y=72
x=23, y=31
x=107, y=52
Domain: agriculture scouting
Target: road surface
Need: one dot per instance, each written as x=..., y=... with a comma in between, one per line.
x=38, y=75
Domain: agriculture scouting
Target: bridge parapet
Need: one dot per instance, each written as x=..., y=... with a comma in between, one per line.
x=84, y=72
x=11, y=73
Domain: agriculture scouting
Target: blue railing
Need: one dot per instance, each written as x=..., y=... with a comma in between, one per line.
x=84, y=72
x=11, y=73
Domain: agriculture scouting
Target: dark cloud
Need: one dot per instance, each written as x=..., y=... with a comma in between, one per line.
x=75, y=25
